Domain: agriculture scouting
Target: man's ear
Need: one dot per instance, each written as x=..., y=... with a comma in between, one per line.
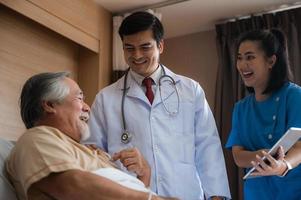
x=48, y=107
x=161, y=46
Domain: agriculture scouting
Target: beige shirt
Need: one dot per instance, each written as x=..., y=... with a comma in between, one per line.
x=43, y=150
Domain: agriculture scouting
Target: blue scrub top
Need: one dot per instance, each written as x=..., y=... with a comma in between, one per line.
x=258, y=125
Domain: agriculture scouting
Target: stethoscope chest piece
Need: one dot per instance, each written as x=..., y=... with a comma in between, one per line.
x=126, y=137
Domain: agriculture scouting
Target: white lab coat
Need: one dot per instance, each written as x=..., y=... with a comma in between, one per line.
x=184, y=151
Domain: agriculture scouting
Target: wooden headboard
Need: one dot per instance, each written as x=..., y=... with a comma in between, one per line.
x=28, y=48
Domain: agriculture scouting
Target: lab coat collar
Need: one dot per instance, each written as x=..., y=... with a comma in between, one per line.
x=136, y=91
x=168, y=91
x=172, y=74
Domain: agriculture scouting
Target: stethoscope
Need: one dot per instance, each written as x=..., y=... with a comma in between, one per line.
x=126, y=136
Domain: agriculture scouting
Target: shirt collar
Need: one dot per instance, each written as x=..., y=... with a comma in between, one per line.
x=155, y=76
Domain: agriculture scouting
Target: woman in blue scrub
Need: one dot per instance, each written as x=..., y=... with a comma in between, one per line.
x=261, y=118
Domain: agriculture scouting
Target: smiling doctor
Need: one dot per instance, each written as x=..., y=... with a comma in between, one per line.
x=154, y=113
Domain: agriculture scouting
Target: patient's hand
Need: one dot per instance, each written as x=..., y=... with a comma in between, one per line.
x=133, y=160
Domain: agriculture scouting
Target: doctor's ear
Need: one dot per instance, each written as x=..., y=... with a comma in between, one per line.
x=48, y=107
x=161, y=46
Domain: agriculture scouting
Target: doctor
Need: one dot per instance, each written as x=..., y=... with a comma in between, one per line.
x=167, y=120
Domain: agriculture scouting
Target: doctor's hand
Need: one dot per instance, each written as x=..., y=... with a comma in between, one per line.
x=133, y=160
x=270, y=166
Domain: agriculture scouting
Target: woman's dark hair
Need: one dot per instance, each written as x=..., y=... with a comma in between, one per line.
x=141, y=21
x=272, y=42
x=39, y=88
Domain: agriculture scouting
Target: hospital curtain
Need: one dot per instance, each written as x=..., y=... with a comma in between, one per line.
x=229, y=86
x=119, y=64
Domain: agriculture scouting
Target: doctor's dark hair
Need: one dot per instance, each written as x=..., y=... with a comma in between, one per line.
x=272, y=42
x=37, y=89
x=141, y=21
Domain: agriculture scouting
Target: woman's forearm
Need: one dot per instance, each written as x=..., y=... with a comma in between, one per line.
x=243, y=157
x=293, y=156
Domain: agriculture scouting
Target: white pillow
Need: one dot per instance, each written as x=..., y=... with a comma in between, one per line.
x=7, y=191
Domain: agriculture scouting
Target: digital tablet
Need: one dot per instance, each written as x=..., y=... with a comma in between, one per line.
x=291, y=136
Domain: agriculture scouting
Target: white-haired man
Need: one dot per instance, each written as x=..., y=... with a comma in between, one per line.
x=48, y=162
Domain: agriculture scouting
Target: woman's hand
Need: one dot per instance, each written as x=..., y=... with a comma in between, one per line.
x=243, y=157
x=269, y=166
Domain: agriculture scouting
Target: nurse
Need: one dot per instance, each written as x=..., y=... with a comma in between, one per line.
x=261, y=118
x=170, y=125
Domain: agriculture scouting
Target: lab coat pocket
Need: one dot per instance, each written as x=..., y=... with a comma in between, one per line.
x=187, y=182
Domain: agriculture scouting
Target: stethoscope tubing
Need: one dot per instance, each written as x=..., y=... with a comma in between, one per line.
x=173, y=113
x=123, y=98
x=126, y=136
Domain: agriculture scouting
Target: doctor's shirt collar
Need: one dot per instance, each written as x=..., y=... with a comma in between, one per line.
x=155, y=76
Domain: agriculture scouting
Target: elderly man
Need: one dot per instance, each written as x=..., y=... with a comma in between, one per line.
x=48, y=162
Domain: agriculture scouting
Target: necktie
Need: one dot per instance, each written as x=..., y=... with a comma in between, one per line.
x=149, y=91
